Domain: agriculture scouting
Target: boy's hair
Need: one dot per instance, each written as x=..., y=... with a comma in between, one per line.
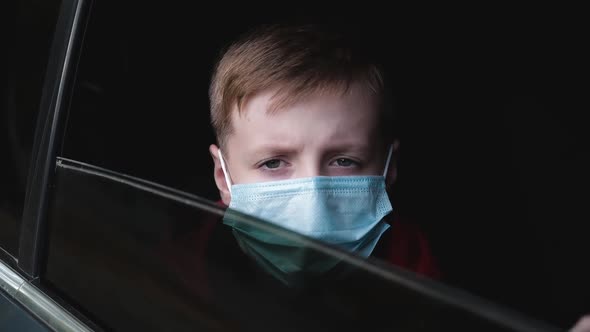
x=298, y=61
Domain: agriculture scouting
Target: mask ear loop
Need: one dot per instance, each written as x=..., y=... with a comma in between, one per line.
x=224, y=169
x=387, y=161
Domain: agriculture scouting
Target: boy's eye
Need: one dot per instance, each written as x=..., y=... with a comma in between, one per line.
x=345, y=162
x=274, y=163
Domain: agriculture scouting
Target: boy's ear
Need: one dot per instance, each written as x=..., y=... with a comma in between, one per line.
x=391, y=176
x=219, y=176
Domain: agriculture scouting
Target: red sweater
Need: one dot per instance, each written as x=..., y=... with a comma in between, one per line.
x=402, y=245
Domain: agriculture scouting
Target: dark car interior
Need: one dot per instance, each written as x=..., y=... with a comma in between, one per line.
x=492, y=157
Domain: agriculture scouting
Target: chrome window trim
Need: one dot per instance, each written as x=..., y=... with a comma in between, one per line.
x=10, y=281
x=37, y=303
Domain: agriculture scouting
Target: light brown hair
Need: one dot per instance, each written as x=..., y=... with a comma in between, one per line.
x=296, y=60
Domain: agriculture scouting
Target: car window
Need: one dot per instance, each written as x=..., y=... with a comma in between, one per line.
x=153, y=258
x=27, y=27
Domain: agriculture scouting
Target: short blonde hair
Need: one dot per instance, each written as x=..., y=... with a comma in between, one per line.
x=298, y=61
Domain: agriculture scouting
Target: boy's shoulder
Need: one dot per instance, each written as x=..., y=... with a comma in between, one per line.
x=405, y=245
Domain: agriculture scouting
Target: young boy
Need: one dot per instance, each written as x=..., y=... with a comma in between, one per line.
x=304, y=141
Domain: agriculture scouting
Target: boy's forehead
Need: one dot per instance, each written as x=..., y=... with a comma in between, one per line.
x=345, y=118
x=356, y=101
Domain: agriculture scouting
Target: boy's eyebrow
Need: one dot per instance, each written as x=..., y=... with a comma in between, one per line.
x=283, y=149
x=349, y=146
x=273, y=148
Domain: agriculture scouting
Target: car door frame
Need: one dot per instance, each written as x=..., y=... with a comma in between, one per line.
x=57, y=88
x=19, y=276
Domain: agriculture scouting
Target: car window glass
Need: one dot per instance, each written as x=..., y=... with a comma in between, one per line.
x=172, y=262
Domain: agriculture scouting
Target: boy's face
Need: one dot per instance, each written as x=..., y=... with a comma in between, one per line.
x=329, y=135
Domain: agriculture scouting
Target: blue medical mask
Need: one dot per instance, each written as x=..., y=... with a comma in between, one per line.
x=345, y=211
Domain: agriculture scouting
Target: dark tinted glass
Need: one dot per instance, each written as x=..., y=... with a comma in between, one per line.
x=137, y=256
x=27, y=31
